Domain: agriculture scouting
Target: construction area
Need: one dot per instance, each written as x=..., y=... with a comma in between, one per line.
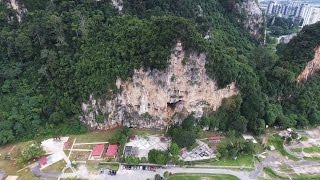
x=201, y=152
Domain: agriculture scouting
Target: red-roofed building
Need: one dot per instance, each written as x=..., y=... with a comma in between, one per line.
x=66, y=144
x=97, y=151
x=214, y=138
x=43, y=160
x=112, y=151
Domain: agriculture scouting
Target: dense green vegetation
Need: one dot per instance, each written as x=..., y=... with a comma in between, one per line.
x=313, y=149
x=63, y=51
x=31, y=151
x=279, y=26
x=234, y=147
x=158, y=156
x=185, y=135
x=120, y=137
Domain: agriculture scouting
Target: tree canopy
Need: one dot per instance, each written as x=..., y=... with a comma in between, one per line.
x=63, y=51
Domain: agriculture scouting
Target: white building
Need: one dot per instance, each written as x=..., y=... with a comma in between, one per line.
x=310, y=15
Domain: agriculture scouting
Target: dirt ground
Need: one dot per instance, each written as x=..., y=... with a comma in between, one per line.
x=79, y=155
x=313, y=136
x=307, y=170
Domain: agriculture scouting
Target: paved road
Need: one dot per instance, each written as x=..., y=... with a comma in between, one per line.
x=266, y=162
x=140, y=174
x=1, y=174
x=302, y=163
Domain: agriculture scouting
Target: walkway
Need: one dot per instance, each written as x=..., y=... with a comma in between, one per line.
x=261, y=166
x=76, y=144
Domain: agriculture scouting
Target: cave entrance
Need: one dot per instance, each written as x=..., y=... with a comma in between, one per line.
x=173, y=107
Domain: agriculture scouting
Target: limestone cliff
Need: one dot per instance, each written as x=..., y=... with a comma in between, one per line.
x=253, y=18
x=17, y=6
x=118, y=4
x=311, y=68
x=154, y=99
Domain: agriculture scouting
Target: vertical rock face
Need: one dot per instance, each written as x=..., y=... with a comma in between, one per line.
x=118, y=4
x=17, y=6
x=154, y=99
x=254, y=21
x=311, y=68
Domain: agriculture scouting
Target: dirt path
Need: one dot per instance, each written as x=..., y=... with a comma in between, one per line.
x=76, y=144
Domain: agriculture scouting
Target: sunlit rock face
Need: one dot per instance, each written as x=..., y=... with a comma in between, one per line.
x=253, y=18
x=118, y=4
x=18, y=6
x=312, y=67
x=154, y=99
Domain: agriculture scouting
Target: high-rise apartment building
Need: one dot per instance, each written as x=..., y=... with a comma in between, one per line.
x=309, y=14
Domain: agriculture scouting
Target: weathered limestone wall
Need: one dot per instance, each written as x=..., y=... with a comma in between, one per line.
x=311, y=68
x=153, y=99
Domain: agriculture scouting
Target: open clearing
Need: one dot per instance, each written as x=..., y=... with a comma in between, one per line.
x=56, y=167
x=96, y=136
x=245, y=160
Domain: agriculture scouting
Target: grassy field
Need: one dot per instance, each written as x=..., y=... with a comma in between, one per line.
x=79, y=155
x=277, y=142
x=273, y=174
x=296, y=149
x=313, y=149
x=111, y=166
x=102, y=136
x=95, y=166
x=305, y=177
x=12, y=149
x=83, y=146
x=56, y=167
x=245, y=160
x=96, y=136
x=312, y=158
x=9, y=166
x=146, y=131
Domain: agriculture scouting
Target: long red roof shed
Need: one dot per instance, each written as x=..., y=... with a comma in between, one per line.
x=214, y=138
x=112, y=150
x=98, y=150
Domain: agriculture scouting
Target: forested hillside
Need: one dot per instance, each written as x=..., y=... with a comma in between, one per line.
x=64, y=50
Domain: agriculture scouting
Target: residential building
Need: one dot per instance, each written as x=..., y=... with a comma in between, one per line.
x=309, y=14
